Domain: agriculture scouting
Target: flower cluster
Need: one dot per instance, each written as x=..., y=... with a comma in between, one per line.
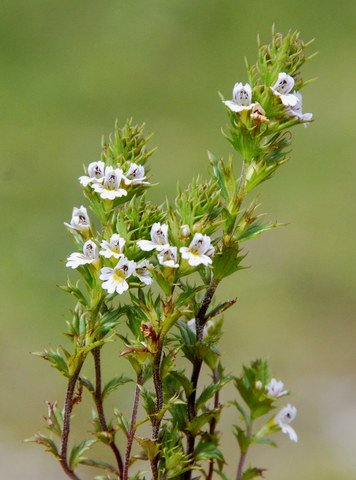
x=199, y=252
x=282, y=88
x=116, y=278
x=107, y=181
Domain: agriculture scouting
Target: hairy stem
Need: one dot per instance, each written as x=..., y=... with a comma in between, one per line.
x=132, y=430
x=98, y=398
x=212, y=422
x=156, y=422
x=68, y=407
x=200, y=322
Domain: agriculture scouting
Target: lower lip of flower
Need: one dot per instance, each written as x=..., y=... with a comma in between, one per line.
x=119, y=276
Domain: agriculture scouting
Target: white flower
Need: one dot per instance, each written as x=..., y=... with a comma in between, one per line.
x=185, y=230
x=80, y=220
x=110, y=188
x=168, y=257
x=297, y=112
x=275, y=388
x=192, y=325
x=115, y=278
x=95, y=173
x=159, y=238
x=199, y=251
x=113, y=248
x=242, y=97
x=283, y=418
x=89, y=255
x=135, y=175
x=143, y=272
x=282, y=87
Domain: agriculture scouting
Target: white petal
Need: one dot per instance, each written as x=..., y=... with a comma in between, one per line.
x=109, y=285
x=146, y=245
x=122, y=287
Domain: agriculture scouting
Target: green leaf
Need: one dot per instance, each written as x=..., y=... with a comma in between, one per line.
x=241, y=438
x=251, y=473
x=149, y=446
x=97, y=464
x=207, y=450
x=199, y=421
x=87, y=383
x=256, y=229
x=77, y=453
x=220, y=308
x=113, y=384
x=210, y=391
x=56, y=358
x=47, y=442
x=227, y=261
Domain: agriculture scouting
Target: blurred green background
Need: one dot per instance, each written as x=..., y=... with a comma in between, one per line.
x=68, y=70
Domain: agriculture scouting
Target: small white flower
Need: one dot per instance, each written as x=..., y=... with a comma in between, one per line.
x=297, y=110
x=242, y=97
x=192, y=325
x=168, y=257
x=113, y=248
x=89, y=255
x=258, y=385
x=199, y=251
x=282, y=88
x=80, y=220
x=95, y=173
x=275, y=388
x=185, y=230
x=143, y=272
x=135, y=175
x=159, y=238
x=115, y=278
x=283, y=418
x=110, y=188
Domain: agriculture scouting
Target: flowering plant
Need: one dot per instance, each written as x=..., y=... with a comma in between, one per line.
x=157, y=268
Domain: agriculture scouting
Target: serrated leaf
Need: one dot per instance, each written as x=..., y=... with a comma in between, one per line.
x=113, y=384
x=56, y=359
x=251, y=473
x=97, y=464
x=77, y=453
x=210, y=391
x=149, y=446
x=47, y=442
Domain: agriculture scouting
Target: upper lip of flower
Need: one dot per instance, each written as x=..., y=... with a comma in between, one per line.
x=283, y=418
x=168, y=257
x=114, y=247
x=275, y=388
x=137, y=174
x=242, y=98
x=80, y=220
x=282, y=87
x=110, y=188
x=199, y=251
x=159, y=238
x=95, y=173
x=89, y=255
